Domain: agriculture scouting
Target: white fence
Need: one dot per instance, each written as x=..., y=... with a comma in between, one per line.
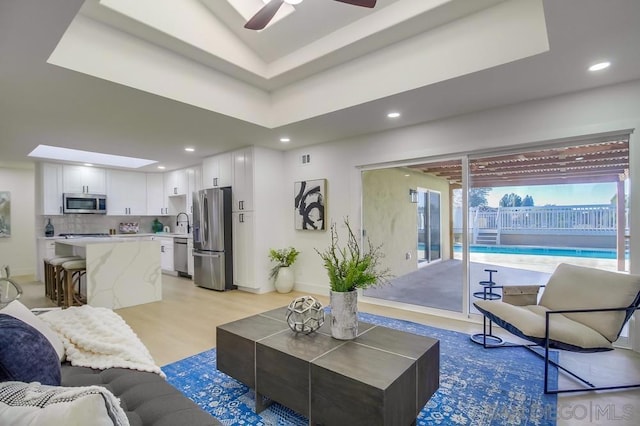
x=599, y=219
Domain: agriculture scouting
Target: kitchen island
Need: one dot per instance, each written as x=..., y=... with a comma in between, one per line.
x=121, y=272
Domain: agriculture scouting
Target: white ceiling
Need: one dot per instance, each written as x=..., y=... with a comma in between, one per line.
x=147, y=78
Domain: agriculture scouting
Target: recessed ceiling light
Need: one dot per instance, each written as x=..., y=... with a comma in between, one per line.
x=599, y=66
x=161, y=167
x=393, y=115
x=407, y=175
x=189, y=149
x=285, y=140
x=78, y=156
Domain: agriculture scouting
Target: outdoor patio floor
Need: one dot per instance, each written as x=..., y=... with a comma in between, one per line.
x=439, y=284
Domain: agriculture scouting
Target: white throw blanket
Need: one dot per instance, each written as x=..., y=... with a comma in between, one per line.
x=99, y=338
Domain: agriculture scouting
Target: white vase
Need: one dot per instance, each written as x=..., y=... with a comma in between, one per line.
x=284, y=280
x=344, y=314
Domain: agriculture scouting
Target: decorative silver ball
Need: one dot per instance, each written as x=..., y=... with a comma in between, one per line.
x=305, y=315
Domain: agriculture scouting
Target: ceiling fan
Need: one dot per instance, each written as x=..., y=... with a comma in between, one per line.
x=268, y=11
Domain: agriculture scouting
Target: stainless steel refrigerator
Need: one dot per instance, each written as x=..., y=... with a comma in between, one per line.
x=212, y=243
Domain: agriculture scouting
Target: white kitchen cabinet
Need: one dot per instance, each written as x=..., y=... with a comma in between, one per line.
x=217, y=171
x=259, y=226
x=191, y=186
x=244, y=250
x=50, y=188
x=126, y=193
x=180, y=185
x=243, y=172
x=156, y=198
x=176, y=182
x=166, y=254
x=83, y=180
x=190, y=257
x=46, y=248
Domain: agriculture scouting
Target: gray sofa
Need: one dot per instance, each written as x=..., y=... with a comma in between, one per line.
x=146, y=398
x=33, y=381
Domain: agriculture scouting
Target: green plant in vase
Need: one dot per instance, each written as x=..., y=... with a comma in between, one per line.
x=350, y=268
x=281, y=272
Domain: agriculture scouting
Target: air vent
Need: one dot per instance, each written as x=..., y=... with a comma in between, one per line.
x=306, y=159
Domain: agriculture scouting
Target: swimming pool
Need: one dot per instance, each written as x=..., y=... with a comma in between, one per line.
x=543, y=251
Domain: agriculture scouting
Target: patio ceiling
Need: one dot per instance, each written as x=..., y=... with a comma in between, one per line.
x=586, y=163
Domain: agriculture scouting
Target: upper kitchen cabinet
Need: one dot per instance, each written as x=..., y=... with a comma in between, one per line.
x=83, y=180
x=192, y=177
x=126, y=193
x=156, y=199
x=243, y=171
x=176, y=182
x=50, y=188
x=179, y=186
x=217, y=171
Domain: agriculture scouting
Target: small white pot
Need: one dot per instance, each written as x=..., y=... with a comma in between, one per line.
x=285, y=280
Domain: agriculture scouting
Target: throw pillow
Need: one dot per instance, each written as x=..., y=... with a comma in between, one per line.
x=25, y=354
x=21, y=312
x=39, y=405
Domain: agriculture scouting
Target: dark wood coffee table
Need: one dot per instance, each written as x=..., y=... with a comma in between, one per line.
x=383, y=376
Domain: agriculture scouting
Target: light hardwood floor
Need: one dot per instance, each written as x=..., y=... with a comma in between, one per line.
x=184, y=324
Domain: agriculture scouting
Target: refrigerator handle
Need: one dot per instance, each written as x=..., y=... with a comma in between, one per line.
x=197, y=254
x=205, y=220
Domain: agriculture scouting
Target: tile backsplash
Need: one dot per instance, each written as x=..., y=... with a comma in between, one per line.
x=92, y=223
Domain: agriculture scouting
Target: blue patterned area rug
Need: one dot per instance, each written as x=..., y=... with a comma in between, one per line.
x=477, y=386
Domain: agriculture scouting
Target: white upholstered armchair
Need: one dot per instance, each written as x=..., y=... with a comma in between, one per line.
x=581, y=310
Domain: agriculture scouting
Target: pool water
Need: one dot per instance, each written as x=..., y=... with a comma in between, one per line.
x=544, y=251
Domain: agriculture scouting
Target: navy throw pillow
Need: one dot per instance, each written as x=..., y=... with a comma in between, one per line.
x=25, y=354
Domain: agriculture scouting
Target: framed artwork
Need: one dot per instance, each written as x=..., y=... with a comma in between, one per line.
x=309, y=202
x=5, y=214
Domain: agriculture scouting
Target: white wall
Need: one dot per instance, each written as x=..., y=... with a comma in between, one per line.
x=19, y=250
x=602, y=110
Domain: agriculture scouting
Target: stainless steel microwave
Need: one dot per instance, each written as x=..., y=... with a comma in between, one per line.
x=84, y=203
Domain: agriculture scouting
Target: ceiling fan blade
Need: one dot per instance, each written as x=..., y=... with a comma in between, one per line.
x=264, y=15
x=363, y=3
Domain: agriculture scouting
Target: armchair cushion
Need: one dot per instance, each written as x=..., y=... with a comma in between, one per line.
x=528, y=322
x=578, y=287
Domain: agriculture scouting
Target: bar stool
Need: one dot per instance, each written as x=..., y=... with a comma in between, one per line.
x=73, y=271
x=52, y=275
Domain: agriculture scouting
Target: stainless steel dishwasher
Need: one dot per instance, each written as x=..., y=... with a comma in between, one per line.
x=180, y=254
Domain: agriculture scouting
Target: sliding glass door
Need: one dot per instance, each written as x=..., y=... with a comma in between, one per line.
x=530, y=210
x=408, y=210
x=429, y=226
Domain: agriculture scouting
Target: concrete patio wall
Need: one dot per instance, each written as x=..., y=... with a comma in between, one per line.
x=390, y=218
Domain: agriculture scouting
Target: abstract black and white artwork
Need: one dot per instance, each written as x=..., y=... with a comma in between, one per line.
x=5, y=214
x=309, y=202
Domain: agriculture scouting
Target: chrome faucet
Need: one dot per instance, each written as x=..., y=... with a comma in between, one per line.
x=178, y=221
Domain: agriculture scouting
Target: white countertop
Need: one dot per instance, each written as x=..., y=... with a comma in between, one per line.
x=120, y=236
x=83, y=242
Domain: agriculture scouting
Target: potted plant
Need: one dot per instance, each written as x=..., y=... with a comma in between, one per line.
x=281, y=272
x=350, y=268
